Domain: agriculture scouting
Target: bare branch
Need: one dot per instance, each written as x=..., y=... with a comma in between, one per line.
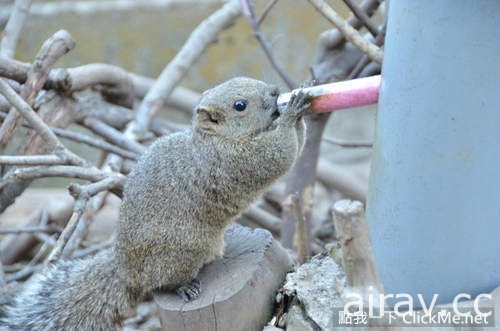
x=351, y=34
x=98, y=192
x=60, y=112
x=204, y=35
x=80, y=205
x=78, y=234
x=365, y=60
x=334, y=57
x=23, y=273
x=96, y=202
x=79, y=78
x=91, y=174
x=13, y=28
x=94, y=248
x=28, y=113
x=89, y=75
x=38, y=125
x=101, y=144
x=31, y=160
x=14, y=70
x=362, y=17
x=111, y=134
x=52, y=49
x=332, y=38
x=113, y=81
x=56, y=209
x=45, y=238
x=27, y=229
x=107, y=184
x=266, y=11
x=264, y=218
x=97, y=143
x=82, y=193
x=249, y=14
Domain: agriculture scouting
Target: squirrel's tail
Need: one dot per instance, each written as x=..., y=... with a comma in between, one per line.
x=81, y=294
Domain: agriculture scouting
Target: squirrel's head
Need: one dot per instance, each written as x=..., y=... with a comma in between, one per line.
x=237, y=108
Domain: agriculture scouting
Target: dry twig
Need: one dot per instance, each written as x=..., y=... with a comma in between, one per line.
x=53, y=144
x=52, y=49
x=266, y=11
x=82, y=194
x=111, y=134
x=91, y=174
x=26, y=229
x=97, y=143
x=351, y=34
x=362, y=17
x=13, y=27
x=31, y=160
x=264, y=219
x=249, y=14
x=94, y=248
x=15, y=247
x=90, y=75
x=365, y=60
x=86, y=139
x=25, y=272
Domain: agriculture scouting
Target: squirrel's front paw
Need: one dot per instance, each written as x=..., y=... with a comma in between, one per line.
x=190, y=291
x=298, y=104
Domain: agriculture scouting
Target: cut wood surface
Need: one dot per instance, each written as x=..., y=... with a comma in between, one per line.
x=238, y=290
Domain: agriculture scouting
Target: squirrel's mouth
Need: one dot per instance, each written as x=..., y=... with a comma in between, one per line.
x=275, y=115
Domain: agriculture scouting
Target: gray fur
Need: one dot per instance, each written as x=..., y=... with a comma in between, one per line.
x=177, y=202
x=81, y=294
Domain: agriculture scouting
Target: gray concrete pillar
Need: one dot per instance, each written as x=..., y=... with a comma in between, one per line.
x=434, y=199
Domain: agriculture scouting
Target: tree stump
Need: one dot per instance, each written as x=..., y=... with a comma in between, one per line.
x=238, y=290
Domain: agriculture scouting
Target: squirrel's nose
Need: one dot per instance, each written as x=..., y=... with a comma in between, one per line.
x=275, y=92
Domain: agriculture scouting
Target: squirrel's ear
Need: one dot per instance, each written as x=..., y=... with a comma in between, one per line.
x=208, y=118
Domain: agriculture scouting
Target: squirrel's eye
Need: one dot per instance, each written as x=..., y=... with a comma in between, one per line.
x=240, y=105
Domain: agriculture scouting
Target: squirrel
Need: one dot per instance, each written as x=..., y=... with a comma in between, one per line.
x=177, y=202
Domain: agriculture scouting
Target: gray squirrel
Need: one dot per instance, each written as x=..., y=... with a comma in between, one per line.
x=178, y=200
